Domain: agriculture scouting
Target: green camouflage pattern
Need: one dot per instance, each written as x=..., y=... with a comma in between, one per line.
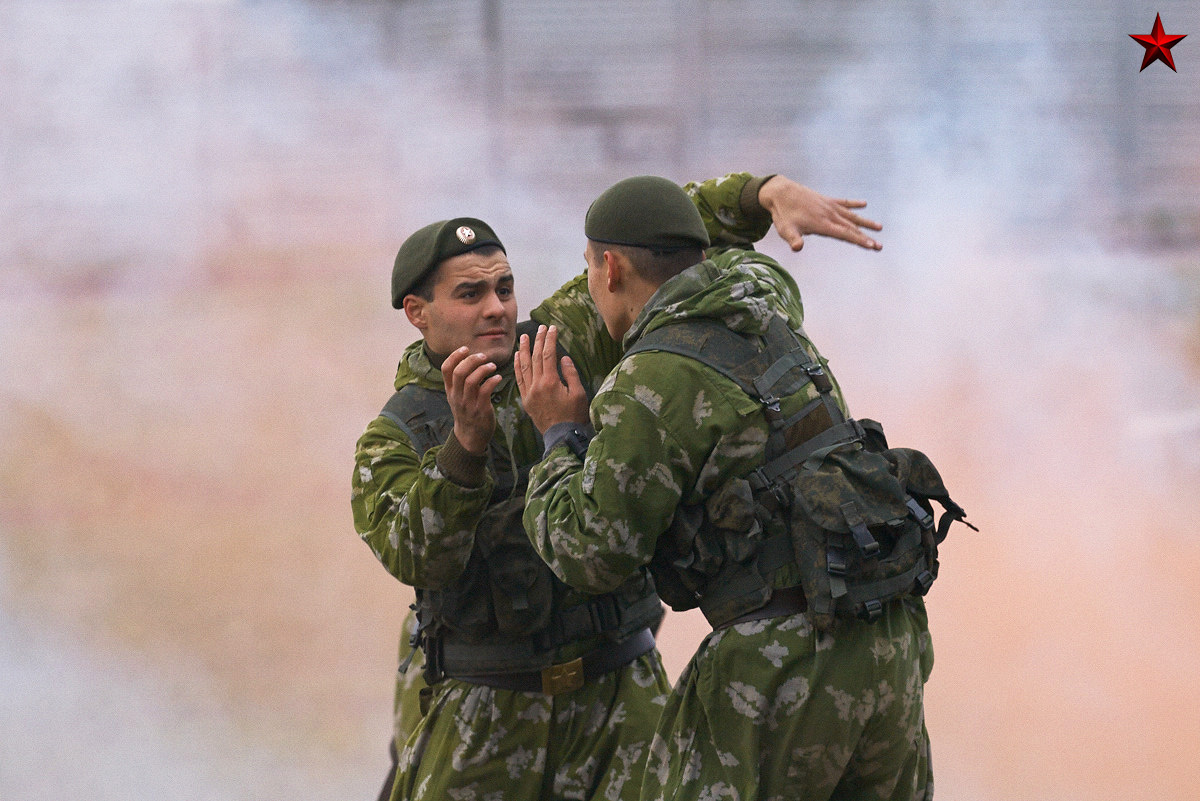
x=482, y=744
x=671, y=434
x=720, y=203
x=406, y=704
x=774, y=710
x=420, y=525
x=670, y=431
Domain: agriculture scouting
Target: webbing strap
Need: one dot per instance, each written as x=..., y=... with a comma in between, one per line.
x=732, y=357
x=413, y=403
x=832, y=437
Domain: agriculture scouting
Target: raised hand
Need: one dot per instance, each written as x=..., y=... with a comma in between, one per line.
x=546, y=399
x=797, y=210
x=470, y=381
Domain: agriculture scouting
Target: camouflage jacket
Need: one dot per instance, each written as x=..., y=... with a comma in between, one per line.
x=670, y=431
x=419, y=524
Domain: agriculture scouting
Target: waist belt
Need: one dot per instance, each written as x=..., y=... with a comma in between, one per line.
x=567, y=677
x=783, y=602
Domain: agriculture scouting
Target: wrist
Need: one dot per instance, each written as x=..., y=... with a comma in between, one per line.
x=462, y=466
x=575, y=436
x=754, y=201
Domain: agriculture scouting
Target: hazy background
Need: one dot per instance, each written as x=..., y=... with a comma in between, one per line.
x=199, y=206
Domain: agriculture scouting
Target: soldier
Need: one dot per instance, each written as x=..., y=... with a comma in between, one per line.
x=535, y=687
x=720, y=455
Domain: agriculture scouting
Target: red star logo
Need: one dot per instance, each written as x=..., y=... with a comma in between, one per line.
x=1158, y=45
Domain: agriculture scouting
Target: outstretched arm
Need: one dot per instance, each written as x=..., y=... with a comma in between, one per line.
x=739, y=208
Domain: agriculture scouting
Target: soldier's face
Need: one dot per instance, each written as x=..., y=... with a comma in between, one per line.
x=473, y=304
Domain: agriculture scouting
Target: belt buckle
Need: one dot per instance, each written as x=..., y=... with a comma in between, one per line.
x=564, y=677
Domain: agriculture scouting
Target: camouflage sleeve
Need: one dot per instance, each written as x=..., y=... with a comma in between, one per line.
x=581, y=332
x=419, y=524
x=730, y=209
x=598, y=520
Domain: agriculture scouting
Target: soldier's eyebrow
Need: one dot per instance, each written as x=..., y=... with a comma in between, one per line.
x=483, y=283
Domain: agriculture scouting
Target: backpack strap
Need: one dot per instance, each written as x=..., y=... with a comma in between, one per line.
x=767, y=368
x=418, y=411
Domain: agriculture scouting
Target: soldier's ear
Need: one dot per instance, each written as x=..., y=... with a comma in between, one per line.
x=416, y=312
x=616, y=269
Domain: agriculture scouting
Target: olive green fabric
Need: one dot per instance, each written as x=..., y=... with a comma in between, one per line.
x=730, y=209
x=671, y=433
x=406, y=704
x=429, y=246
x=399, y=497
x=777, y=711
x=732, y=215
x=646, y=211
x=482, y=743
x=422, y=527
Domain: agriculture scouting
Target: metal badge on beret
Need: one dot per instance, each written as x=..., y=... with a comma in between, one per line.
x=465, y=235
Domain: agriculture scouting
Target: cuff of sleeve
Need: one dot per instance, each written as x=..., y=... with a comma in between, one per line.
x=460, y=465
x=574, y=435
x=751, y=207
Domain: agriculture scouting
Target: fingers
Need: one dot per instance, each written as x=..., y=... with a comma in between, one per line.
x=468, y=376
x=861, y=222
x=841, y=223
x=521, y=363
x=571, y=375
x=549, y=351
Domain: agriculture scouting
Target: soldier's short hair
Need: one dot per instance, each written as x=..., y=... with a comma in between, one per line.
x=654, y=265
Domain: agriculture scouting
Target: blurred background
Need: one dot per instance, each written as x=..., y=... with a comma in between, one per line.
x=200, y=202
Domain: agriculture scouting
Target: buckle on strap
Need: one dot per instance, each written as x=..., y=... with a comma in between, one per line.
x=858, y=530
x=605, y=614
x=564, y=677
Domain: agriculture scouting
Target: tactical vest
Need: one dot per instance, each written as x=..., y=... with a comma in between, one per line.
x=831, y=501
x=507, y=612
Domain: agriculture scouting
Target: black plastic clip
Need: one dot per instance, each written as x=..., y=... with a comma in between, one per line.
x=922, y=583
x=923, y=518
x=872, y=610
x=819, y=378
x=858, y=529
x=835, y=562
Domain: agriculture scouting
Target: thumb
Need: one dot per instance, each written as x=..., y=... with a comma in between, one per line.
x=790, y=233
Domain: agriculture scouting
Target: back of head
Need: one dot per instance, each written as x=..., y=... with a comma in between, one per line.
x=428, y=247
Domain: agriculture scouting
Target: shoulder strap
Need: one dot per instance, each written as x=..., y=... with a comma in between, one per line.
x=766, y=368
x=417, y=411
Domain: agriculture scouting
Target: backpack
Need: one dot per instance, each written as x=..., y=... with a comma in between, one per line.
x=831, y=500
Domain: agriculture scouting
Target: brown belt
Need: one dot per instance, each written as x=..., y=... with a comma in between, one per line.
x=783, y=602
x=567, y=677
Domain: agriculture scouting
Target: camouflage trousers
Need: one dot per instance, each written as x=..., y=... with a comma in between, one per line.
x=772, y=710
x=483, y=744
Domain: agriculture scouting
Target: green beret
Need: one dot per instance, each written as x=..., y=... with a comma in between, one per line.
x=433, y=244
x=647, y=212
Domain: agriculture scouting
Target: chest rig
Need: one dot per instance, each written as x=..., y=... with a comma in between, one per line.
x=507, y=612
x=831, y=505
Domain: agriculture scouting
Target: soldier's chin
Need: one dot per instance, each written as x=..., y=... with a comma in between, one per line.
x=498, y=350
